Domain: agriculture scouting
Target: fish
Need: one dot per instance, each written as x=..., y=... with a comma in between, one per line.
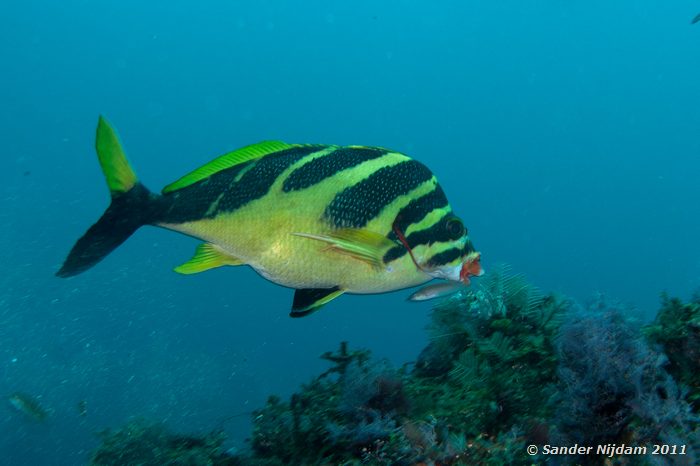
x=322, y=219
x=696, y=19
x=82, y=408
x=28, y=405
x=436, y=290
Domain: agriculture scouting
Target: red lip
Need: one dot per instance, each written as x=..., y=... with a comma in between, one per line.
x=471, y=267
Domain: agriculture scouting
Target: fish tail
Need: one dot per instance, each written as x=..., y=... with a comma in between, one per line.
x=131, y=206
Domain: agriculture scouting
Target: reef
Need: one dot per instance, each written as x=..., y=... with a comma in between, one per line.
x=505, y=367
x=676, y=331
x=153, y=444
x=615, y=389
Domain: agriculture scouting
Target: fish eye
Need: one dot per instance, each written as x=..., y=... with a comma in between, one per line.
x=455, y=228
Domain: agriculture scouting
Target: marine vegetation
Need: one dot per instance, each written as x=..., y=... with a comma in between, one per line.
x=614, y=388
x=476, y=395
x=151, y=444
x=488, y=349
x=505, y=367
x=322, y=219
x=677, y=331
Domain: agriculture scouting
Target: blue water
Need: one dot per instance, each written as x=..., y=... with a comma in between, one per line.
x=564, y=133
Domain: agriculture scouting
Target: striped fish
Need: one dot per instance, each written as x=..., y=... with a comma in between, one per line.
x=324, y=220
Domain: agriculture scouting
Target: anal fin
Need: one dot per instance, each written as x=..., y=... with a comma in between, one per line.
x=310, y=300
x=207, y=256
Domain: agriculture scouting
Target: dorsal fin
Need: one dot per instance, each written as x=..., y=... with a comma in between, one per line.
x=228, y=160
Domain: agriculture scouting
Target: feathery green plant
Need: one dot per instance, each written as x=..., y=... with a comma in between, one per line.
x=497, y=340
x=677, y=330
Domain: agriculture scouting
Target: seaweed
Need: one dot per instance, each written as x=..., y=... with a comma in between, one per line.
x=147, y=443
x=352, y=409
x=505, y=367
x=614, y=388
x=598, y=355
x=496, y=344
x=676, y=330
x=477, y=394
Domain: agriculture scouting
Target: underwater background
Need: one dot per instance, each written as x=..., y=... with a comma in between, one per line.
x=565, y=135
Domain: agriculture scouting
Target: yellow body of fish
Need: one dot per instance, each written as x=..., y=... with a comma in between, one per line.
x=322, y=219
x=269, y=235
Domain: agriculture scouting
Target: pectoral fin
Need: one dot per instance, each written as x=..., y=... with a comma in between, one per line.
x=310, y=300
x=363, y=245
x=207, y=256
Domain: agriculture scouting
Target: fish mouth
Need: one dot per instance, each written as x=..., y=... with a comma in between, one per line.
x=471, y=267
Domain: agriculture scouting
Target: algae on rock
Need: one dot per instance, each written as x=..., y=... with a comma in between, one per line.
x=677, y=330
x=490, y=365
x=505, y=367
x=152, y=444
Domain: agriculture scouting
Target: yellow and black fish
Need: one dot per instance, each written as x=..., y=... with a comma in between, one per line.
x=325, y=220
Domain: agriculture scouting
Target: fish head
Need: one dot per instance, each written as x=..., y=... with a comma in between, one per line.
x=453, y=257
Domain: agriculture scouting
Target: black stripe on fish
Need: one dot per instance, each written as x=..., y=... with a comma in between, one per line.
x=437, y=232
x=445, y=257
x=358, y=204
x=417, y=209
x=256, y=182
x=412, y=213
x=394, y=253
x=195, y=202
x=329, y=165
x=217, y=194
